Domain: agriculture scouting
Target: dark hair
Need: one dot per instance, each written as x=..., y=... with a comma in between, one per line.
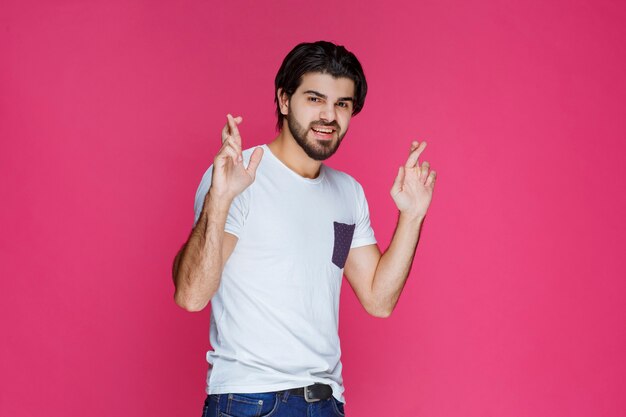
x=324, y=57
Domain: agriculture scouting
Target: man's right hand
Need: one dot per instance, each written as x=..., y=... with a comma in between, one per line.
x=230, y=177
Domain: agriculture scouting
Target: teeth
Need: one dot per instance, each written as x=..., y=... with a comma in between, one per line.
x=323, y=130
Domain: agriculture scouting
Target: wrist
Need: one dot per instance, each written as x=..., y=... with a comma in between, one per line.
x=218, y=202
x=408, y=217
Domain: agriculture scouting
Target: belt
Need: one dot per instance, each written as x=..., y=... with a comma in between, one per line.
x=313, y=393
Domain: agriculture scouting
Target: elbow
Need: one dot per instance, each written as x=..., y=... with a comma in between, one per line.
x=189, y=303
x=189, y=298
x=381, y=314
x=380, y=311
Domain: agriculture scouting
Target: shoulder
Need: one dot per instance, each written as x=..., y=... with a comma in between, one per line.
x=343, y=180
x=345, y=184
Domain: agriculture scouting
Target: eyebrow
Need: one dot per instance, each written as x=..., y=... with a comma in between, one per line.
x=320, y=95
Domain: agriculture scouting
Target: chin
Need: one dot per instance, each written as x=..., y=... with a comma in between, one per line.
x=321, y=150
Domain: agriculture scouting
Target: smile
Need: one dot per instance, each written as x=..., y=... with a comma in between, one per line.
x=323, y=130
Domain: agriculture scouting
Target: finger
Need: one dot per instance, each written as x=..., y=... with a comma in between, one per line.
x=234, y=131
x=255, y=160
x=230, y=152
x=424, y=171
x=411, y=162
x=226, y=129
x=230, y=142
x=397, y=183
x=225, y=132
x=431, y=178
x=225, y=154
x=224, y=145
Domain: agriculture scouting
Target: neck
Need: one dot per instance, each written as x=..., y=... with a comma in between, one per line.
x=285, y=148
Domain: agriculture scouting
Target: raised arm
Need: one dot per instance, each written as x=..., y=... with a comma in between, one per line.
x=377, y=279
x=198, y=266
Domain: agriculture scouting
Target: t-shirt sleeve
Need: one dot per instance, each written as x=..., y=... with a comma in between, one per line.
x=363, y=232
x=238, y=208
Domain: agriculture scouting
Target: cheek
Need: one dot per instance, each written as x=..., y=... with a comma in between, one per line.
x=345, y=122
x=299, y=112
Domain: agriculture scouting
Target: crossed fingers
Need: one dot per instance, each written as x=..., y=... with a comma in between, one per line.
x=231, y=139
x=412, y=163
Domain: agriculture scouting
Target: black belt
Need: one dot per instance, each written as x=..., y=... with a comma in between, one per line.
x=313, y=393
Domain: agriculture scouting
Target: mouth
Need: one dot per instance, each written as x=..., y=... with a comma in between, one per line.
x=323, y=132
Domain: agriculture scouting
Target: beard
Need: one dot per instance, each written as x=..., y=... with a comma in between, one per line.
x=316, y=149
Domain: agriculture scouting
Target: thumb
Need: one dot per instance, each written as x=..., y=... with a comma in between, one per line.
x=255, y=160
x=397, y=184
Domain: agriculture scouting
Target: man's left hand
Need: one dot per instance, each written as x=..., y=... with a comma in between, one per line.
x=412, y=191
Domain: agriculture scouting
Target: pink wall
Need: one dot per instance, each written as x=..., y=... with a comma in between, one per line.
x=110, y=112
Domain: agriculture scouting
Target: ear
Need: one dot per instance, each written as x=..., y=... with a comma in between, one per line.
x=283, y=101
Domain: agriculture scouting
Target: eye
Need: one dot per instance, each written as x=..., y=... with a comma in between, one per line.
x=314, y=99
x=342, y=104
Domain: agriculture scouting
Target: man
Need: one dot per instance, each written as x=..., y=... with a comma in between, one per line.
x=275, y=229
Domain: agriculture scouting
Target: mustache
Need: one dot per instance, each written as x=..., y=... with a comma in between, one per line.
x=319, y=123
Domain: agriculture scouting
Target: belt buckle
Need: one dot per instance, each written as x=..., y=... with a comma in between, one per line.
x=308, y=395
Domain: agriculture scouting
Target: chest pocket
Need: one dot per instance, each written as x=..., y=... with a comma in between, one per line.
x=343, y=240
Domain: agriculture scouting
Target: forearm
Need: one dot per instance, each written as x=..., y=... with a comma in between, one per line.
x=198, y=269
x=395, y=264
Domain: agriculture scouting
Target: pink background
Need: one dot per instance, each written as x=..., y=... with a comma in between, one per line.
x=110, y=112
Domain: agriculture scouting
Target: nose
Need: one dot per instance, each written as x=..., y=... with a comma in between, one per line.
x=327, y=113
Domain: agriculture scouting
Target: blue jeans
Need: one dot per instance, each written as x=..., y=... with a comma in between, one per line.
x=269, y=404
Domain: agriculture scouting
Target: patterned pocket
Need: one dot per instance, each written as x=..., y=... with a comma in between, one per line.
x=343, y=240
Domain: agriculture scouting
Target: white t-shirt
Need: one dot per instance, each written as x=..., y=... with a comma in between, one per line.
x=275, y=315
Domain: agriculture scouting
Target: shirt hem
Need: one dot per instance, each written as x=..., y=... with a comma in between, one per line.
x=362, y=242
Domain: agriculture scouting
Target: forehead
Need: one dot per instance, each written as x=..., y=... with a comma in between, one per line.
x=327, y=84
